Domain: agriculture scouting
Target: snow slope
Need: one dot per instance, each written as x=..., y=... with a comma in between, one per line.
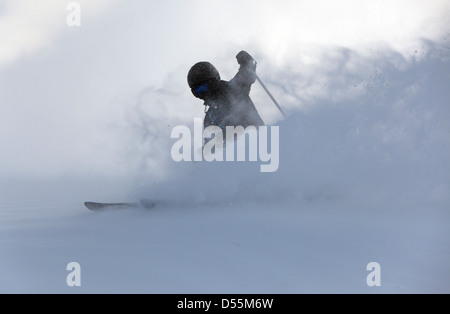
x=364, y=177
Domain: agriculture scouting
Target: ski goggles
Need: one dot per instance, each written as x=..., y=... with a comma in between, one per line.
x=201, y=90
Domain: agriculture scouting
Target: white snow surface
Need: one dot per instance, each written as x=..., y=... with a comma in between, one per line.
x=363, y=177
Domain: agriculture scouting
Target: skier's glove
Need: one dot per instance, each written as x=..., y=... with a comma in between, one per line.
x=244, y=59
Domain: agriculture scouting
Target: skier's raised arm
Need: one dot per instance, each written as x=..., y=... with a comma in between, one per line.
x=246, y=75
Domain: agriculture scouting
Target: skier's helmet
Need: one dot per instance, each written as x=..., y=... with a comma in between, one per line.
x=200, y=73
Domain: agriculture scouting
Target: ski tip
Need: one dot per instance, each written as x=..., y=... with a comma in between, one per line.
x=90, y=205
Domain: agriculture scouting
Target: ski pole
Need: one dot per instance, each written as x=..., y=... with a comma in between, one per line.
x=270, y=95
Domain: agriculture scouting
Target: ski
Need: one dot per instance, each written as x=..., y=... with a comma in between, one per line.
x=96, y=206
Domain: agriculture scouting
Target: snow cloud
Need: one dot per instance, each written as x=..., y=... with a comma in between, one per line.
x=102, y=98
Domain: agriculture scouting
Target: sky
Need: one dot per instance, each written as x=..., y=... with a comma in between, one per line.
x=82, y=100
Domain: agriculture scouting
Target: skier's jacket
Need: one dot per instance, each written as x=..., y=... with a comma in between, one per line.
x=229, y=102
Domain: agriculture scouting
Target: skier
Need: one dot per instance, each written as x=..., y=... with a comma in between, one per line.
x=229, y=102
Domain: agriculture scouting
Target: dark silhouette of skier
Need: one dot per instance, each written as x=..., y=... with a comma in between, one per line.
x=226, y=103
